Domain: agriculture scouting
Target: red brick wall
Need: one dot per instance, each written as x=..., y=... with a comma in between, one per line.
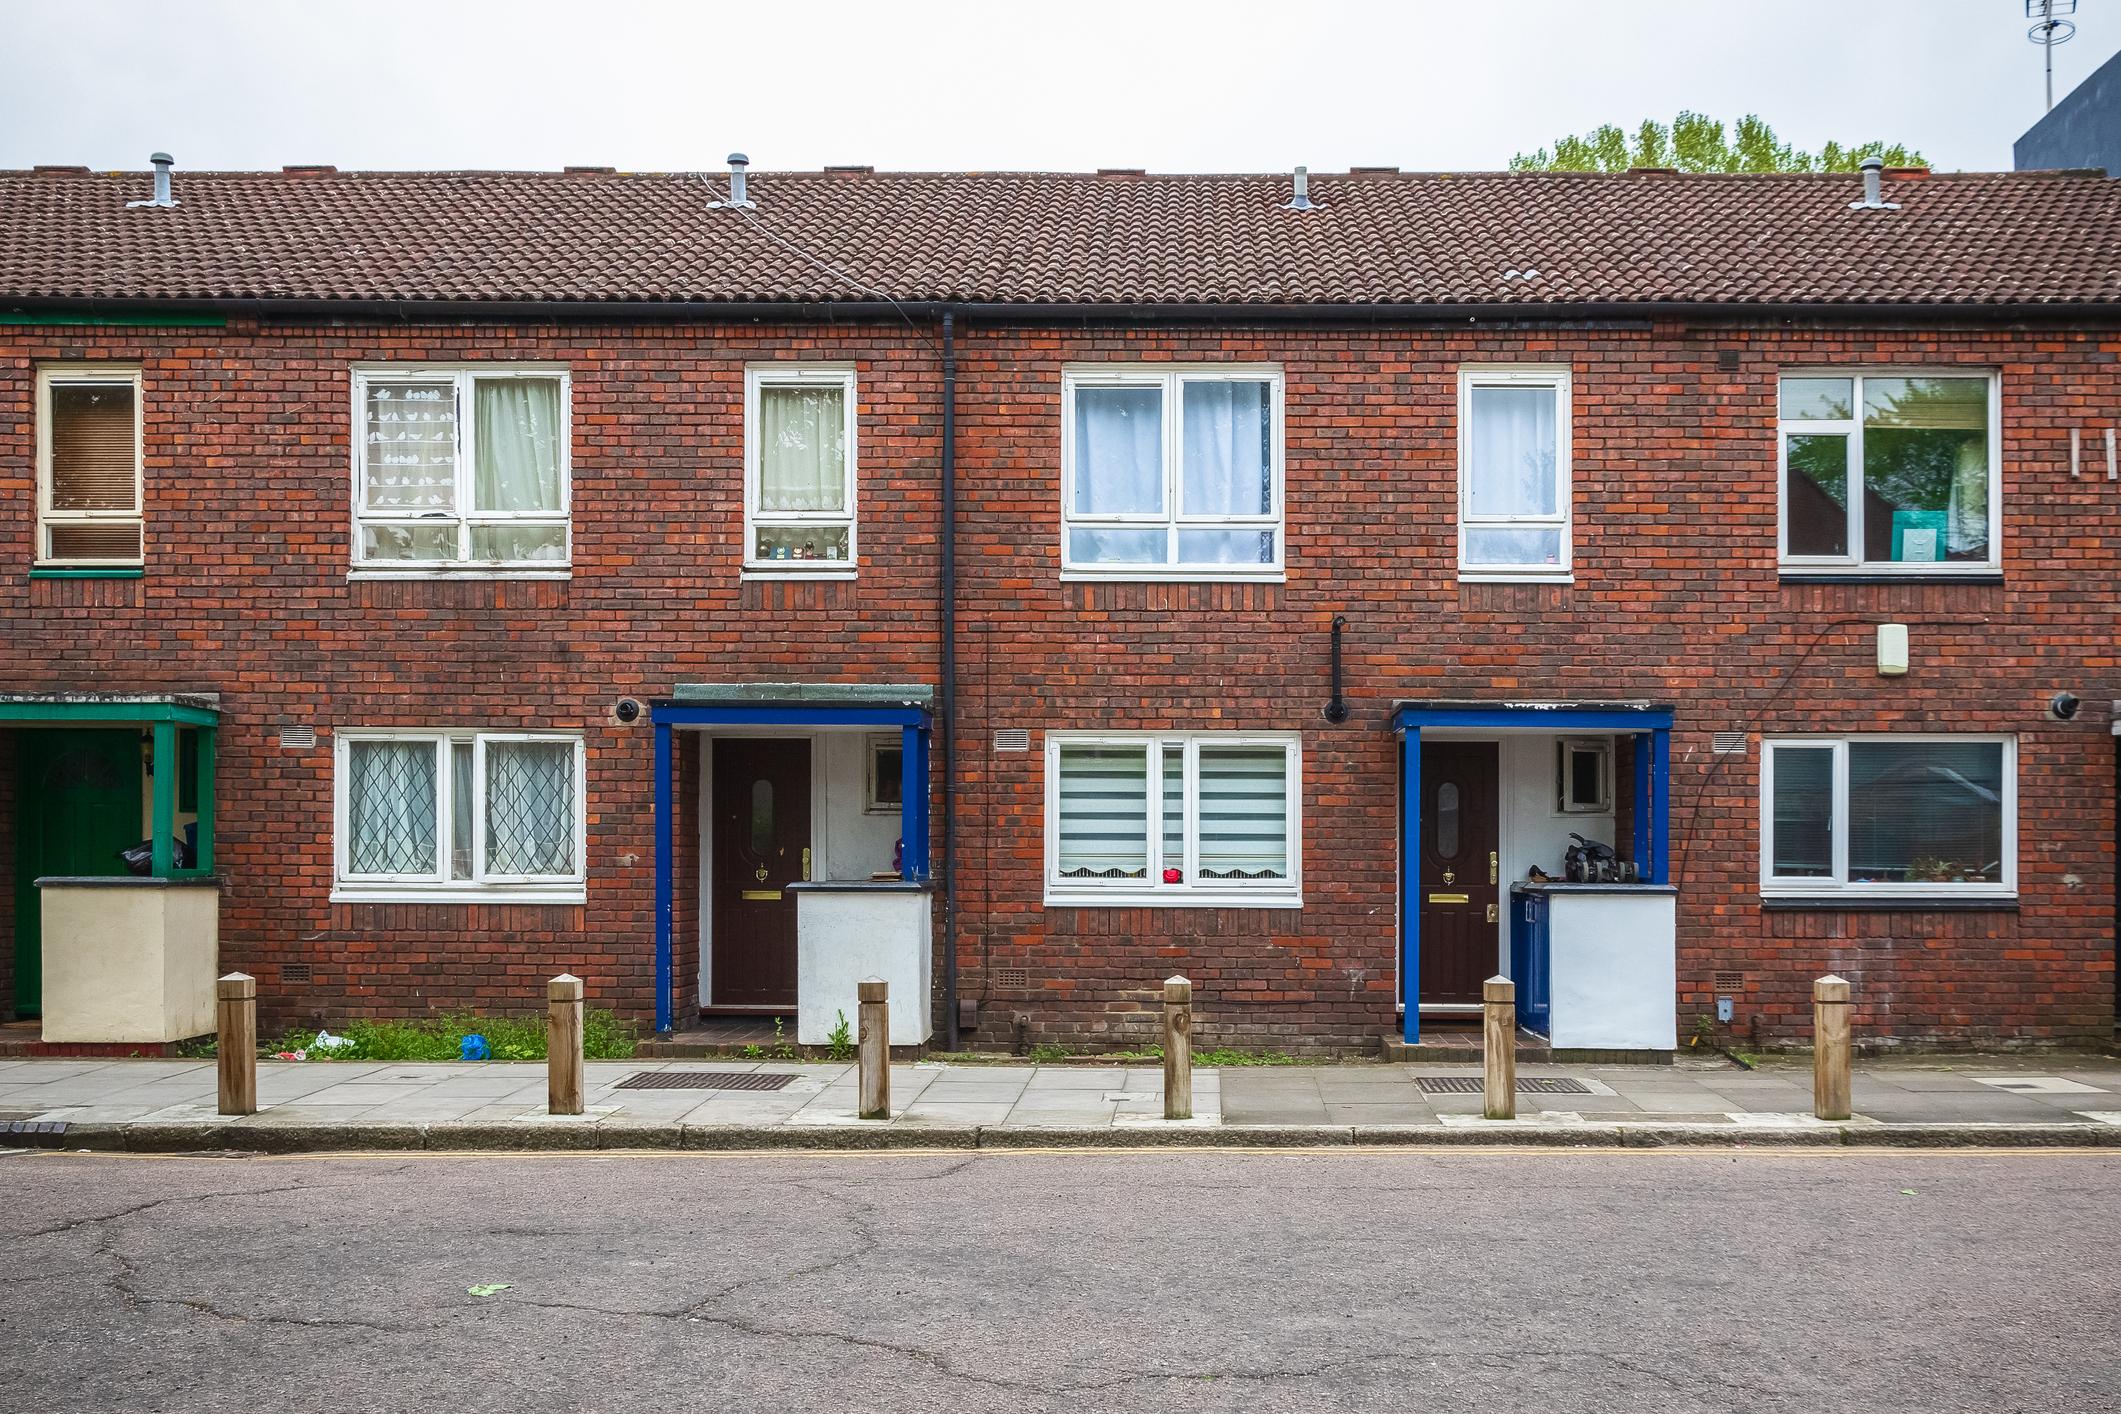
x=1676, y=597
x=246, y=594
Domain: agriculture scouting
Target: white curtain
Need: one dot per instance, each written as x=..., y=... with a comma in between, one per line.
x=412, y=447
x=518, y=445
x=390, y=807
x=1514, y=457
x=1119, y=451
x=1966, y=514
x=1225, y=462
x=530, y=808
x=802, y=449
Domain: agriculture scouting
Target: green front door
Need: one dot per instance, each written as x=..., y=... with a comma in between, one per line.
x=77, y=804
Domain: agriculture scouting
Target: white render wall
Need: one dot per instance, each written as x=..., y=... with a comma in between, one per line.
x=1534, y=830
x=855, y=844
x=130, y=960
x=842, y=938
x=1613, y=971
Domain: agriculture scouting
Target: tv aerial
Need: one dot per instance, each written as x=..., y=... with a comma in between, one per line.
x=2051, y=26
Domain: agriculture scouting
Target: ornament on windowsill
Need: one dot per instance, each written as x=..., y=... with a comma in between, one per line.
x=1173, y=876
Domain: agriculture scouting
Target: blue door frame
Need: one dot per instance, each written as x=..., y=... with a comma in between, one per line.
x=1651, y=726
x=914, y=724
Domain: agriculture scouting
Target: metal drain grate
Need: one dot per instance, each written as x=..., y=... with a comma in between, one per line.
x=704, y=1080
x=1526, y=1085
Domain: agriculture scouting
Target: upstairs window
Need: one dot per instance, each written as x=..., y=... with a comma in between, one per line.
x=1171, y=472
x=1886, y=816
x=1202, y=819
x=1889, y=473
x=461, y=469
x=799, y=453
x=1513, y=474
x=88, y=467
x=470, y=814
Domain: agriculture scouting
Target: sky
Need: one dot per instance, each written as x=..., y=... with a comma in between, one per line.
x=1181, y=87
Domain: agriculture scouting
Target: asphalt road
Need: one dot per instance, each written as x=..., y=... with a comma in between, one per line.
x=1535, y=1280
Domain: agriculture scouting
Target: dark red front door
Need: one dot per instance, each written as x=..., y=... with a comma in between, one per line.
x=761, y=845
x=1459, y=894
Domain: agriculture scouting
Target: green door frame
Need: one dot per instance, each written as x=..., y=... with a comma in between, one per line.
x=163, y=717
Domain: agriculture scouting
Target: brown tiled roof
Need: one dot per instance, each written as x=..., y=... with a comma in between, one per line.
x=1428, y=239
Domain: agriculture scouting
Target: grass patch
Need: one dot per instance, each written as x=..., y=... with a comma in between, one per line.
x=441, y=1038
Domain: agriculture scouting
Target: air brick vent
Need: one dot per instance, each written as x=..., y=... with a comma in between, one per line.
x=1012, y=739
x=1011, y=979
x=1730, y=982
x=294, y=974
x=298, y=738
x=1728, y=743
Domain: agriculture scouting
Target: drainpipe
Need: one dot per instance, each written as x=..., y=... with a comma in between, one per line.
x=949, y=685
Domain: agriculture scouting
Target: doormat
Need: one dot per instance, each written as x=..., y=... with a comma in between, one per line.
x=704, y=1080
x=1526, y=1085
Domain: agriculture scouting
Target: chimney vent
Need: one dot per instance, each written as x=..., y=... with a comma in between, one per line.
x=1301, y=201
x=1874, y=188
x=738, y=162
x=163, y=161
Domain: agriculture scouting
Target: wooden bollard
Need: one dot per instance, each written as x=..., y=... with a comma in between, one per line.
x=873, y=1046
x=563, y=1045
x=1178, y=1048
x=236, y=1042
x=1498, y=1044
x=1830, y=1048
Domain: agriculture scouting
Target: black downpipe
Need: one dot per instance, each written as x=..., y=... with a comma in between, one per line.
x=948, y=752
x=1337, y=708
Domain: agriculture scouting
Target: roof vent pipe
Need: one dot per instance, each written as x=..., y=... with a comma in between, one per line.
x=1874, y=188
x=1302, y=200
x=163, y=162
x=737, y=163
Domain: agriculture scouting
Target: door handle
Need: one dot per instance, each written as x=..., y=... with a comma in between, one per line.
x=1493, y=865
x=1491, y=913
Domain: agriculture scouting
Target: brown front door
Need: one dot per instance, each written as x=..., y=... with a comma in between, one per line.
x=1459, y=894
x=761, y=845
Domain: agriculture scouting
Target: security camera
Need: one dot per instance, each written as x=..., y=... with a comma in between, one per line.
x=629, y=710
x=2063, y=706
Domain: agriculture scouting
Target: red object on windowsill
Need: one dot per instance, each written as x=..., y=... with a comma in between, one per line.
x=1172, y=876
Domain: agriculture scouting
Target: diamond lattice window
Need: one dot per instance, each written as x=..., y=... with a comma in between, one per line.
x=530, y=808
x=508, y=806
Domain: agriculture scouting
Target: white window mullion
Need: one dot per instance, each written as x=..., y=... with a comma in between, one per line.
x=1153, y=816
x=1840, y=818
x=477, y=805
x=1857, y=549
x=1191, y=829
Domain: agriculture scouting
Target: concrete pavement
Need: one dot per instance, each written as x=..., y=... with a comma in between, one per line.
x=1214, y=1282
x=170, y=1105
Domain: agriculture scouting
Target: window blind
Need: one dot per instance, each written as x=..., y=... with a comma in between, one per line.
x=1104, y=812
x=1244, y=812
x=95, y=456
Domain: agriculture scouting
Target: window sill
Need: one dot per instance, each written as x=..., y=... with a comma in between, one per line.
x=567, y=896
x=1516, y=577
x=88, y=572
x=1173, y=899
x=462, y=572
x=1881, y=903
x=846, y=571
x=1983, y=574
x=1140, y=574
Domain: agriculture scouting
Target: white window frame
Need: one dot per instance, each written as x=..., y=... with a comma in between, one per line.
x=1569, y=746
x=464, y=516
x=874, y=775
x=1498, y=375
x=1171, y=379
x=50, y=376
x=1773, y=886
x=1796, y=566
x=436, y=886
x=1151, y=891
x=760, y=376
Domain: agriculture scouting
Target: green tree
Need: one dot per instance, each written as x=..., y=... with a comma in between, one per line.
x=1696, y=142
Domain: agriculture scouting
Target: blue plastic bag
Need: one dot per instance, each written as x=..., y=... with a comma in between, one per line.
x=474, y=1047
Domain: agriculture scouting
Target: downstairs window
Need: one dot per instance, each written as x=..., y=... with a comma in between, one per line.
x=1207, y=819
x=1885, y=816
